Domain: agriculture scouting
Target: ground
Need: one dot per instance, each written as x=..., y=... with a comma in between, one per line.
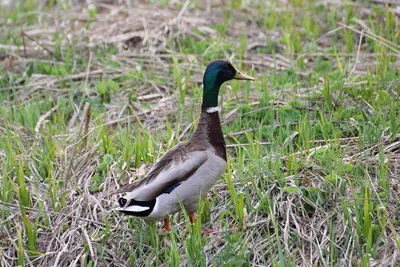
x=93, y=92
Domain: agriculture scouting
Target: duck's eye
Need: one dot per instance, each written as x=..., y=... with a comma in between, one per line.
x=226, y=66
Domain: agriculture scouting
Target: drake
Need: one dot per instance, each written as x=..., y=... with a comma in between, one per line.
x=187, y=171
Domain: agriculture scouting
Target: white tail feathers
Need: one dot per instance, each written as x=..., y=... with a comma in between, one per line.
x=134, y=208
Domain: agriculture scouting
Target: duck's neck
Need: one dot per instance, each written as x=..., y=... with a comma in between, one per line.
x=209, y=130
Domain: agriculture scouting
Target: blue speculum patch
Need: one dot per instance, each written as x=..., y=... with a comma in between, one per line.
x=171, y=188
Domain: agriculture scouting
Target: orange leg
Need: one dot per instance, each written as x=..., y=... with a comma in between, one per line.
x=192, y=217
x=207, y=232
x=166, y=225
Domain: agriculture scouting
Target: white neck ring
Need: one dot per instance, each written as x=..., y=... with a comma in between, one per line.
x=213, y=109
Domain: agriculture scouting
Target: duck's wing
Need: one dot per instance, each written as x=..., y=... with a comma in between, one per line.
x=176, y=166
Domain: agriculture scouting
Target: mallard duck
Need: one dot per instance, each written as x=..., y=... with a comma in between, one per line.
x=187, y=171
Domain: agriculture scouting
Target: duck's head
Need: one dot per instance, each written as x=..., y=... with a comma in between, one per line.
x=216, y=74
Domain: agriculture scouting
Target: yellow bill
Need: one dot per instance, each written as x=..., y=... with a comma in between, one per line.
x=241, y=76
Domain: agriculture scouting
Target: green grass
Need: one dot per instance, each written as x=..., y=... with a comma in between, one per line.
x=313, y=143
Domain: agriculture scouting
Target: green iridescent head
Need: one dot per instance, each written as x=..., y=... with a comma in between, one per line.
x=216, y=74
